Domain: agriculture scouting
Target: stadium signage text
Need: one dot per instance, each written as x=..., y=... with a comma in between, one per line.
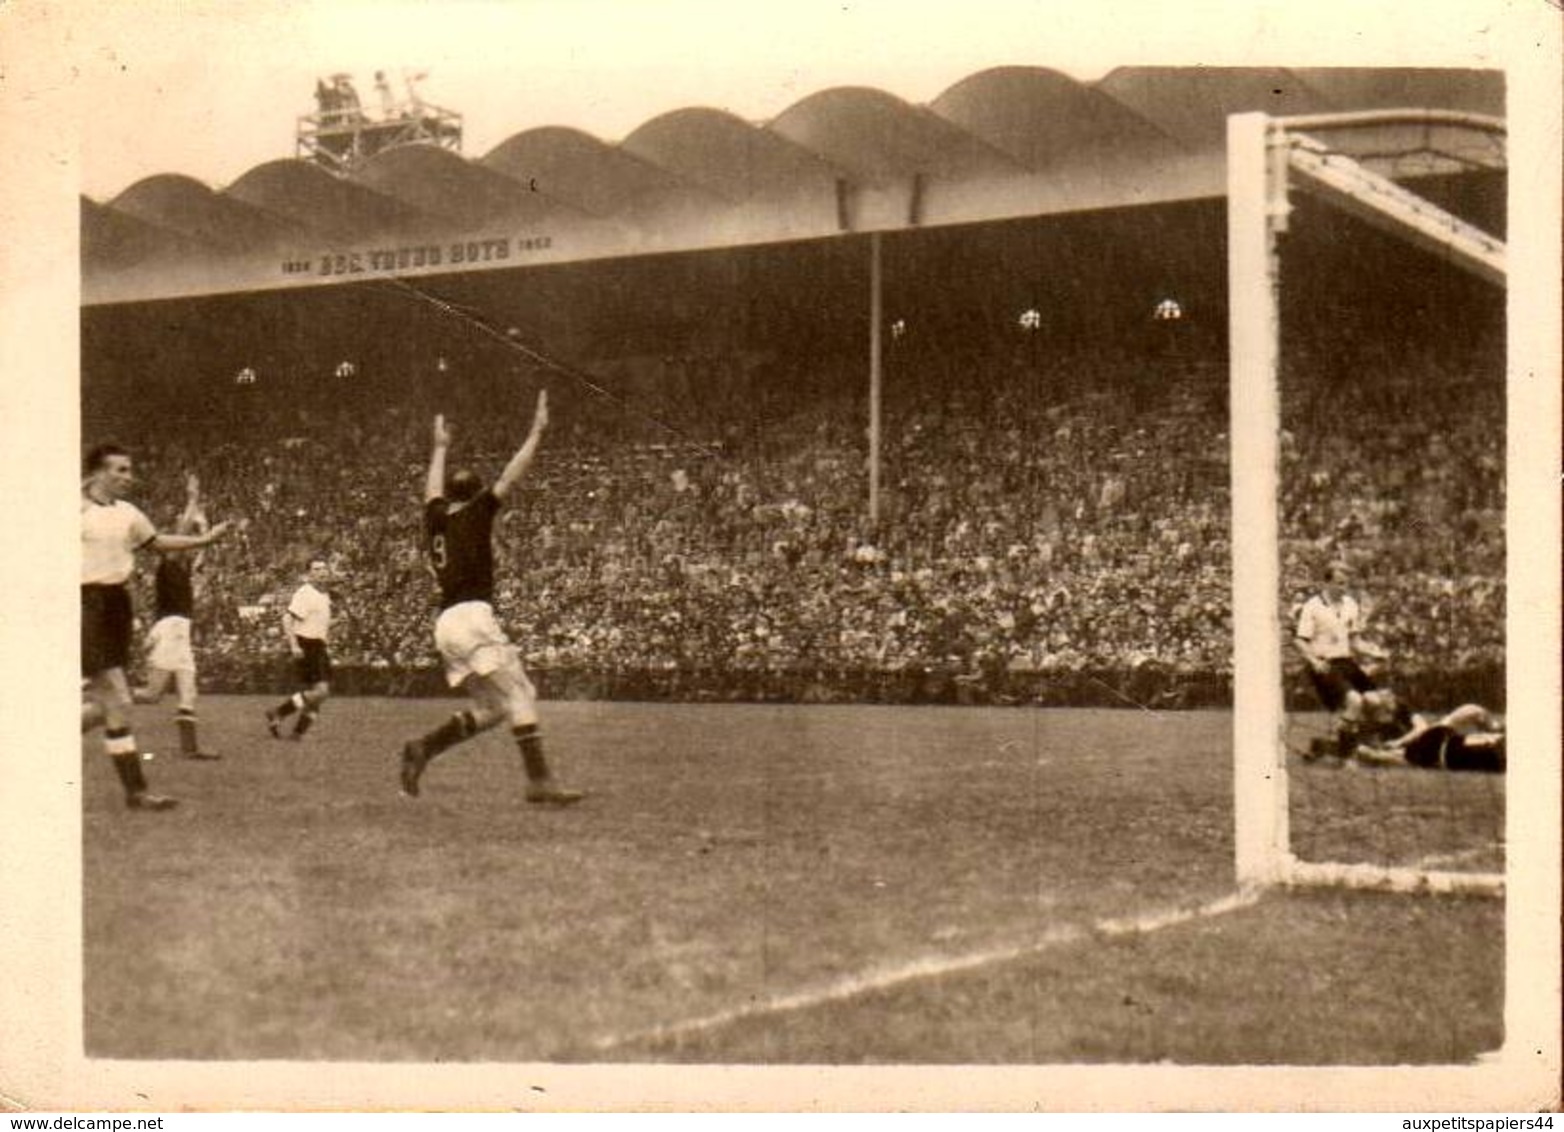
x=459, y=253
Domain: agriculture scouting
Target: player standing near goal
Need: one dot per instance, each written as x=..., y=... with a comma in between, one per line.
x=1328, y=637
x=169, y=654
x=458, y=526
x=306, y=623
x=112, y=530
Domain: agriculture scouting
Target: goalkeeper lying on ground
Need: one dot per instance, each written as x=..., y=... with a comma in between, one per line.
x=1470, y=738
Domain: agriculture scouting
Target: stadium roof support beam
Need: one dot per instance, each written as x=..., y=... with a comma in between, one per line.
x=1379, y=201
x=876, y=355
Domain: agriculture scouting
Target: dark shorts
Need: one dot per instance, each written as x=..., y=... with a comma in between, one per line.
x=1441, y=747
x=1344, y=675
x=314, y=667
x=107, y=623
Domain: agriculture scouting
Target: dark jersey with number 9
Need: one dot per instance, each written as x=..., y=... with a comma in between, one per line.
x=175, y=590
x=461, y=548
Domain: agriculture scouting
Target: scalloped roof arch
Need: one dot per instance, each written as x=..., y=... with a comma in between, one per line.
x=729, y=156
x=117, y=239
x=454, y=190
x=216, y=222
x=572, y=165
x=1192, y=103
x=313, y=199
x=881, y=138
x=1039, y=116
x=1004, y=143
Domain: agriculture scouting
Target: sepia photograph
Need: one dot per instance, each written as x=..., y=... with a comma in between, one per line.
x=829, y=556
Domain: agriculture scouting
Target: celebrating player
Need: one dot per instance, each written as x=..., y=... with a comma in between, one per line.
x=169, y=655
x=112, y=530
x=306, y=623
x=1329, y=638
x=459, y=523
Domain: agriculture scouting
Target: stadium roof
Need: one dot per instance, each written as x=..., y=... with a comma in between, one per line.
x=1001, y=144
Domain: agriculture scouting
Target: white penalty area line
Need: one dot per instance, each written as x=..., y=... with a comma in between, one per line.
x=930, y=967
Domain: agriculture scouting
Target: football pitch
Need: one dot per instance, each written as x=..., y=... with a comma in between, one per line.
x=755, y=884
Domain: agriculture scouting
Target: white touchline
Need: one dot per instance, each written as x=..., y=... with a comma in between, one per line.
x=1156, y=921
x=930, y=967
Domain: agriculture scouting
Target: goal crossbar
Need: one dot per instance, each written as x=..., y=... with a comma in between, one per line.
x=1379, y=201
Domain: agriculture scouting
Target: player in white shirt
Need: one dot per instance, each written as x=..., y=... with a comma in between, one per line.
x=1329, y=638
x=112, y=531
x=306, y=623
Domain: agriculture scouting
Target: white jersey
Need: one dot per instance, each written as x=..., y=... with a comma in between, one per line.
x=1328, y=627
x=309, y=613
x=111, y=533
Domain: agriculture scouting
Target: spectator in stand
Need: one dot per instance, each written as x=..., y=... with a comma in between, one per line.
x=1063, y=531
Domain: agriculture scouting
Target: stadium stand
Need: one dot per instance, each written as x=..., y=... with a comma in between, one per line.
x=1055, y=519
x=1054, y=528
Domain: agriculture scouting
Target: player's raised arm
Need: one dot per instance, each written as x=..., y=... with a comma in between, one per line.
x=165, y=541
x=522, y=460
x=190, y=518
x=434, y=485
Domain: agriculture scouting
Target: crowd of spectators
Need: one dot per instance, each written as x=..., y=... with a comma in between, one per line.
x=1395, y=462
x=1053, y=512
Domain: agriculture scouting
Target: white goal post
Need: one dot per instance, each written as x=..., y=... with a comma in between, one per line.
x=1266, y=159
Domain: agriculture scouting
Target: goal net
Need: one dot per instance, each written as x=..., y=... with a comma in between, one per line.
x=1367, y=300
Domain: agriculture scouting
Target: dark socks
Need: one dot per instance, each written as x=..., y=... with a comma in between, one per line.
x=306, y=717
x=286, y=708
x=121, y=747
x=186, y=722
x=460, y=726
x=530, y=743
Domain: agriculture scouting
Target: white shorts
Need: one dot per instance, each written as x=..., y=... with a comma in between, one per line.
x=471, y=642
x=168, y=645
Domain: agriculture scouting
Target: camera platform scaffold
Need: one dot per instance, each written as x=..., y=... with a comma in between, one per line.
x=341, y=135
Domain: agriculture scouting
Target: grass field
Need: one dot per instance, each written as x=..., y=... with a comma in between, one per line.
x=746, y=884
x=1449, y=821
